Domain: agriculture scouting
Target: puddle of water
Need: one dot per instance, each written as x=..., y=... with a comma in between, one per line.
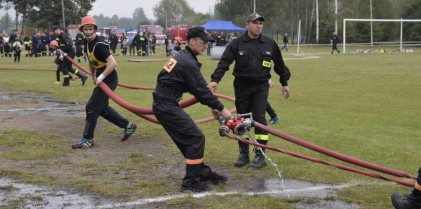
x=44, y=104
x=32, y=196
x=42, y=197
x=296, y=188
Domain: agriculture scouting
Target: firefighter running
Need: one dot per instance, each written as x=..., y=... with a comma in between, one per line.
x=66, y=45
x=102, y=66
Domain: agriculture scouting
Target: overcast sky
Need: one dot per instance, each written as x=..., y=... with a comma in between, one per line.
x=125, y=8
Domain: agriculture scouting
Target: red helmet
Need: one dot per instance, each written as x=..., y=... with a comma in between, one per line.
x=54, y=43
x=88, y=20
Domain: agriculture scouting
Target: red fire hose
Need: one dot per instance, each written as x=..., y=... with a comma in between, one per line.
x=317, y=160
x=331, y=153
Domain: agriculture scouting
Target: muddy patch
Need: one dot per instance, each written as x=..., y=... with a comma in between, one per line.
x=25, y=103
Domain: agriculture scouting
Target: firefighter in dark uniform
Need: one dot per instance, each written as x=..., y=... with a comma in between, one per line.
x=102, y=66
x=253, y=54
x=66, y=45
x=182, y=74
x=79, y=46
x=27, y=43
x=220, y=39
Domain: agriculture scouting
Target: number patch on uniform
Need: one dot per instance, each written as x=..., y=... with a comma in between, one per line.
x=170, y=64
x=266, y=63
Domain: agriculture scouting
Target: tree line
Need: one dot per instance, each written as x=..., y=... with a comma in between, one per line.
x=319, y=18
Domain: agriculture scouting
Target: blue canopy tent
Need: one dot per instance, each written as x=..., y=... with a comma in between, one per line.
x=220, y=25
x=224, y=25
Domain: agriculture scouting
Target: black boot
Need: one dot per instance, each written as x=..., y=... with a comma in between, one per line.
x=259, y=160
x=66, y=81
x=83, y=77
x=400, y=201
x=243, y=158
x=191, y=181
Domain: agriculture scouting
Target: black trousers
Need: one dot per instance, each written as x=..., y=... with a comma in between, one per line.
x=252, y=97
x=270, y=111
x=98, y=105
x=189, y=139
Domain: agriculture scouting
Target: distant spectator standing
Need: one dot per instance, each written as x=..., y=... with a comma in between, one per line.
x=136, y=42
x=166, y=42
x=221, y=39
x=285, y=41
x=132, y=45
x=144, y=43
x=12, y=37
x=17, y=48
x=335, y=41
x=208, y=52
x=124, y=45
x=113, y=39
x=153, y=43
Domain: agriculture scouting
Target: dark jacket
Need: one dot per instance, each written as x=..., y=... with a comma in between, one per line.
x=182, y=74
x=253, y=60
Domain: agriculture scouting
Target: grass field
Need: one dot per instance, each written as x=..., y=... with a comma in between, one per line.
x=363, y=105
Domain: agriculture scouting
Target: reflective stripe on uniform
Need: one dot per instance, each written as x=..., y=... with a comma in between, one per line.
x=263, y=137
x=194, y=161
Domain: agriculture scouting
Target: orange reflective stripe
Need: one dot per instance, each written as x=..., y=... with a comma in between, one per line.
x=194, y=162
x=417, y=186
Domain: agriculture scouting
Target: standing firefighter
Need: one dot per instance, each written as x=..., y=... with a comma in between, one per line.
x=102, y=65
x=335, y=41
x=79, y=46
x=182, y=74
x=66, y=45
x=253, y=54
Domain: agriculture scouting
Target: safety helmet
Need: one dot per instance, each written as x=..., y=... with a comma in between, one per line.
x=54, y=43
x=88, y=20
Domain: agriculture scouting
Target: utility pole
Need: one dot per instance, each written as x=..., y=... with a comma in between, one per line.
x=317, y=21
x=371, y=22
x=62, y=13
x=336, y=16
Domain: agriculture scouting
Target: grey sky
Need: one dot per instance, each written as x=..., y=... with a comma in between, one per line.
x=125, y=8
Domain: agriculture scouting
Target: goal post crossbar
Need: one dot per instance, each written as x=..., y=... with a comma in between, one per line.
x=375, y=20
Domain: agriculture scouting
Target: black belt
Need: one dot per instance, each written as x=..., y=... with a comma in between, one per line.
x=168, y=92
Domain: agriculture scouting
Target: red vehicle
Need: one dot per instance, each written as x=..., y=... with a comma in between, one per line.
x=157, y=30
x=179, y=31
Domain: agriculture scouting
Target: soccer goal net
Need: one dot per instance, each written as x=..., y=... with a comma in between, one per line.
x=394, y=40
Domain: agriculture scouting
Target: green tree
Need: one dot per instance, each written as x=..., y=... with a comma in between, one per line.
x=6, y=23
x=412, y=10
x=139, y=18
x=173, y=12
x=45, y=13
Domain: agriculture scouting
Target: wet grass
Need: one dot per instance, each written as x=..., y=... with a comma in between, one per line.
x=362, y=105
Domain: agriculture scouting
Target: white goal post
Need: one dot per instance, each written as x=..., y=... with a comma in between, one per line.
x=375, y=20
